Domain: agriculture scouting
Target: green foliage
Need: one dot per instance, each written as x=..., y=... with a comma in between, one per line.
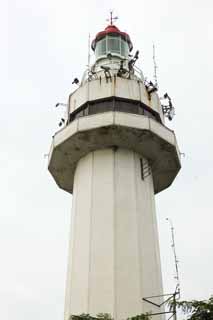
x=83, y=316
x=107, y=316
x=142, y=316
x=86, y=316
x=196, y=310
x=104, y=316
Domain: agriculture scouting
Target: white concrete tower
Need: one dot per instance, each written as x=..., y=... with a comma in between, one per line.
x=113, y=154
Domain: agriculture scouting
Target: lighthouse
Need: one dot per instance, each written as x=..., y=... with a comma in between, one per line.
x=113, y=154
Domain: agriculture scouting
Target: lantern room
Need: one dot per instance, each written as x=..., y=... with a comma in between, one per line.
x=112, y=42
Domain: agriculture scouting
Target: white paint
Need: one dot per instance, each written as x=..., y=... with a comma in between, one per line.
x=114, y=255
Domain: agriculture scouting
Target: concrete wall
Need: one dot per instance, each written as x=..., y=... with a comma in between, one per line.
x=119, y=87
x=114, y=255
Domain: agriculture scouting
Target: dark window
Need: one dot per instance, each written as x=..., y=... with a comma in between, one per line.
x=102, y=106
x=114, y=104
x=107, y=105
x=113, y=44
x=79, y=114
x=100, y=49
x=72, y=117
x=140, y=110
x=124, y=48
x=149, y=114
x=94, y=108
x=86, y=111
x=125, y=106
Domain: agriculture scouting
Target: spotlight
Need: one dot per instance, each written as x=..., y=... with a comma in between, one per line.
x=75, y=81
x=136, y=55
x=109, y=56
x=61, y=122
x=60, y=104
x=171, y=113
x=106, y=69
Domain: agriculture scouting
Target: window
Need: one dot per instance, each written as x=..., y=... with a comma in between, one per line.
x=113, y=44
x=94, y=108
x=86, y=111
x=124, y=48
x=79, y=114
x=100, y=48
x=113, y=104
x=149, y=114
x=101, y=106
x=126, y=106
x=140, y=110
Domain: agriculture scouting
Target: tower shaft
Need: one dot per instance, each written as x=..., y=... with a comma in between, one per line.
x=114, y=254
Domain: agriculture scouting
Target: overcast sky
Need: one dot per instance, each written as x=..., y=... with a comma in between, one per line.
x=44, y=45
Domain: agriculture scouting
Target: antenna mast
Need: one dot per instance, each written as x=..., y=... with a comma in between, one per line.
x=88, y=52
x=175, y=257
x=155, y=67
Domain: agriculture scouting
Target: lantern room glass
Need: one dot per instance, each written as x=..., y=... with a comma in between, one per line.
x=111, y=44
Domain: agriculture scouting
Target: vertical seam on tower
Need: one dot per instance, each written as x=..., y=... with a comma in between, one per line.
x=148, y=194
x=71, y=253
x=150, y=180
x=139, y=89
x=158, y=278
x=138, y=231
x=88, y=85
x=114, y=239
x=90, y=237
x=77, y=125
x=70, y=257
x=147, y=203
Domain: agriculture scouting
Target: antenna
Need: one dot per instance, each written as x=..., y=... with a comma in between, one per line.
x=175, y=258
x=155, y=67
x=88, y=61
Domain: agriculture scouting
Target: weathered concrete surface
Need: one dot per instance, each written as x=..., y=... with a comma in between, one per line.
x=114, y=258
x=138, y=133
x=118, y=87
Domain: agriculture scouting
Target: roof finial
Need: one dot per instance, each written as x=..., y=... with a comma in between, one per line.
x=112, y=19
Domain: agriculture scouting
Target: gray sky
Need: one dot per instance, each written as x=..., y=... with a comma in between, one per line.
x=44, y=46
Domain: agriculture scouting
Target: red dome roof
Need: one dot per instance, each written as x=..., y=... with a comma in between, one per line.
x=111, y=29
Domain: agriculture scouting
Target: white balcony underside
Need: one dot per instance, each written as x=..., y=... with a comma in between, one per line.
x=114, y=253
